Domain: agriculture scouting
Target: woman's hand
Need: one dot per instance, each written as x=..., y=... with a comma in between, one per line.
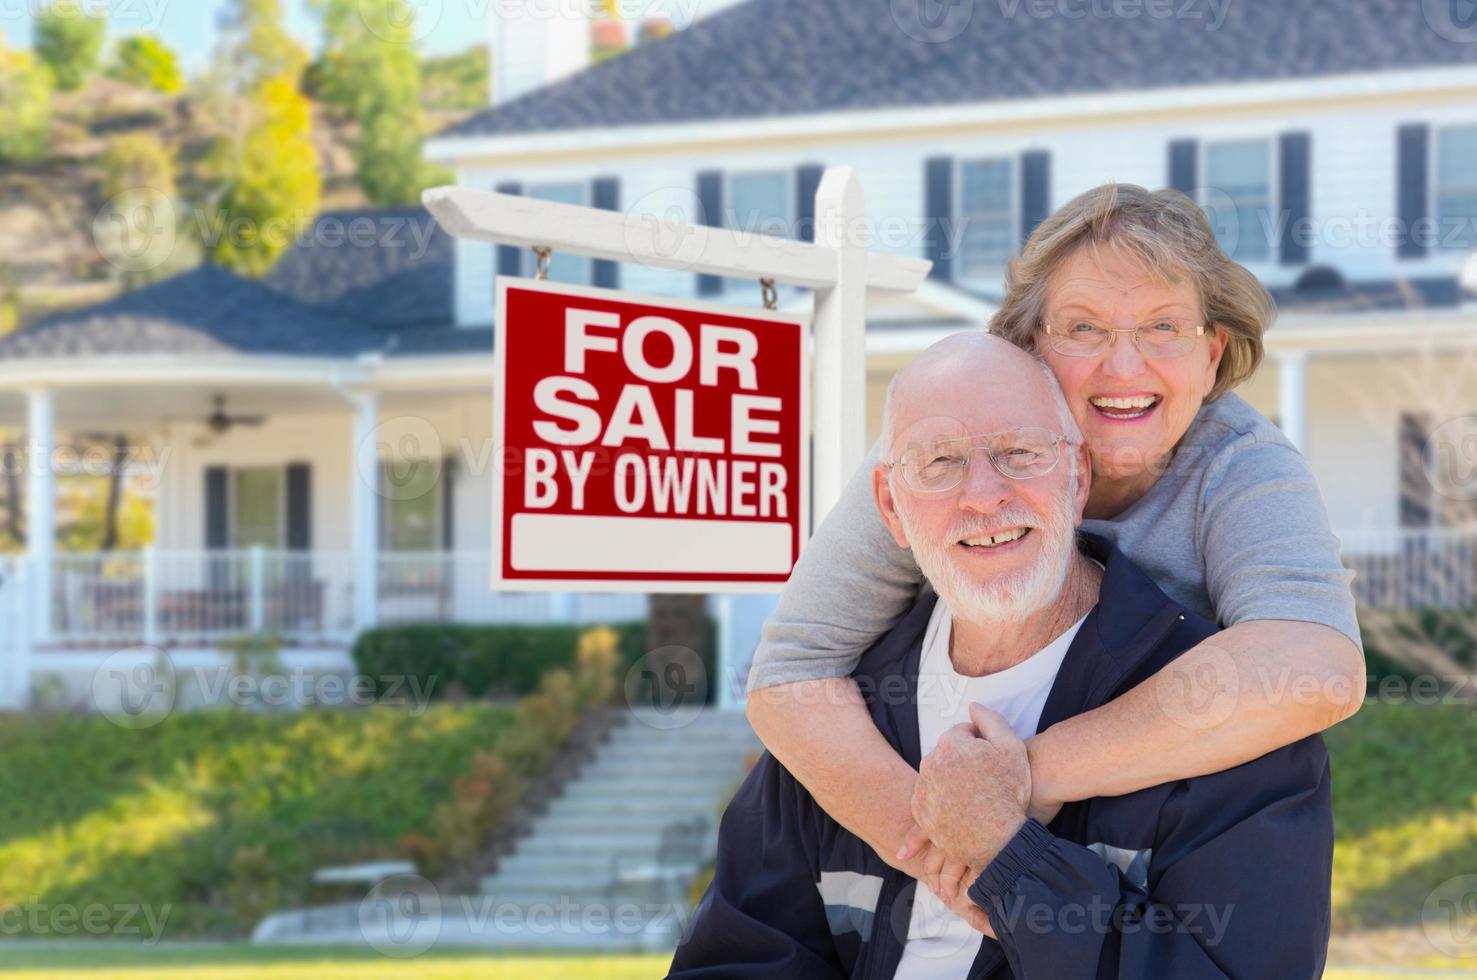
x=943, y=876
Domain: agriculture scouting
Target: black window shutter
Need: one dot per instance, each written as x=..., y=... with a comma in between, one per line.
x=807, y=182
x=299, y=506
x=1035, y=191
x=1182, y=164
x=1412, y=186
x=710, y=200
x=1296, y=154
x=509, y=257
x=448, y=494
x=606, y=194
x=1417, y=497
x=938, y=211
x=217, y=527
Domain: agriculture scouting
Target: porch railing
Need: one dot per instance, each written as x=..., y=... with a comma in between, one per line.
x=189, y=596
x=1406, y=569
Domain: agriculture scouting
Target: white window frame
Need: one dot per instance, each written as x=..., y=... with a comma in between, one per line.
x=438, y=531
x=1274, y=203
x=231, y=501
x=993, y=276
x=1433, y=188
x=787, y=176
x=529, y=261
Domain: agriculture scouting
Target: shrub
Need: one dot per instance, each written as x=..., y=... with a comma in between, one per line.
x=487, y=660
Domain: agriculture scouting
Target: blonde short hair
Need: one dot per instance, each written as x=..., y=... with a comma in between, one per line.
x=1171, y=236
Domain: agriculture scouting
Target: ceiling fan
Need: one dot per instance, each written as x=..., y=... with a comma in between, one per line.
x=219, y=422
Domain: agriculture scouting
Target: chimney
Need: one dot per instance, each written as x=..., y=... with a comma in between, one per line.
x=536, y=43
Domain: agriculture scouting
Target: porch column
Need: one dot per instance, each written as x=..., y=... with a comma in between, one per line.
x=364, y=506
x=40, y=508
x=1292, y=397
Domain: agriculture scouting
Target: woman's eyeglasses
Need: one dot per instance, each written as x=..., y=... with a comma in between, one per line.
x=1160, y=337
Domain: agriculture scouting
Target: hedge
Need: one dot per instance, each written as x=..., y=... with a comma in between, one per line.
x=486, y=660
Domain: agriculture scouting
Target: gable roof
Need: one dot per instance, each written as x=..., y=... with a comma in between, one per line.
x=767, y=58
x=207, y=310
x=386, y=267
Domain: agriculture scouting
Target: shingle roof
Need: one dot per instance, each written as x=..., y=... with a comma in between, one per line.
x=361, y=281
x=390, y=268
x=768, y=58
x=205, y=311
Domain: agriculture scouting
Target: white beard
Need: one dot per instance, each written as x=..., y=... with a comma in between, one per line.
x=1011, y=598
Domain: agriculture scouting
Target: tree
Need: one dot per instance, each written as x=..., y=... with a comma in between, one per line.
x=275, y=183
x=69, y=40
x=148, y=63
x=370, y=70
x=136, y=160
x=266, y=167
x=25, y=107
x=255, y=45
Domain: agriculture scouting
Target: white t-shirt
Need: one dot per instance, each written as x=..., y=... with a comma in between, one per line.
x=942, y=946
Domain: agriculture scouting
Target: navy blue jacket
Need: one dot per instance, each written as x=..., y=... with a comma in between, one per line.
x=1227, y=875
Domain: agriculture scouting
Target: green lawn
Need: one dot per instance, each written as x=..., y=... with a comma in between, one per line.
x=236, y=962
x=208, y=820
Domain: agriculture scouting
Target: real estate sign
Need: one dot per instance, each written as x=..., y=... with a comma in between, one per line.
x=646, y=444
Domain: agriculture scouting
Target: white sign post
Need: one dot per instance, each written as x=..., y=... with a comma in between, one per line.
x=837, y=266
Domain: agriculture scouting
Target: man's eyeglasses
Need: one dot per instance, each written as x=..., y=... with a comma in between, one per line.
x=1019, y=454
x=1160, y=337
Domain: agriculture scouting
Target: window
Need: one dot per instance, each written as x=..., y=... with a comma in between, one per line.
x=562, y=267
x=1456, y=188
x=759, y=203
x=1239, y=175
x=987, y=217
x=410, y=516
x=257, y=507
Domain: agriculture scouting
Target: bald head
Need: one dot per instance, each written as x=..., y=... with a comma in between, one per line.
x=971, y=383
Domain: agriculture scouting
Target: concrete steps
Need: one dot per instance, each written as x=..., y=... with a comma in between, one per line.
x=559, y=888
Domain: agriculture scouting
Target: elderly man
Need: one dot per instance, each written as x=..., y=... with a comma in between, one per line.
x=1222, y=876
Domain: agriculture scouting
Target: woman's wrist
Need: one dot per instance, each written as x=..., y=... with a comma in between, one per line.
x=1048, y=790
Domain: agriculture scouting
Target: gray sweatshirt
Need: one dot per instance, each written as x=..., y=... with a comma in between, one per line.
x=1234, y=530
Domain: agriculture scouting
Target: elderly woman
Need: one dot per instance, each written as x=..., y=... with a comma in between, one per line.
x=1148, y=325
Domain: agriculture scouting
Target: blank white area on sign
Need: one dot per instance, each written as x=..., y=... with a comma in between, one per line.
x=581, y=543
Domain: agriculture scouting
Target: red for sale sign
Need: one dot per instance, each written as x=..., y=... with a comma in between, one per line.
x=646, y=444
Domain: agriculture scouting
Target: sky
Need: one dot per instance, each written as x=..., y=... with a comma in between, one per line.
x=188, y=26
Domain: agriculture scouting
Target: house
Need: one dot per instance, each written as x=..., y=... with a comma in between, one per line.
x=322, y=438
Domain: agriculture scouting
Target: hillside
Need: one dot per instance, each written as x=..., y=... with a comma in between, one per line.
x=49, y=259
